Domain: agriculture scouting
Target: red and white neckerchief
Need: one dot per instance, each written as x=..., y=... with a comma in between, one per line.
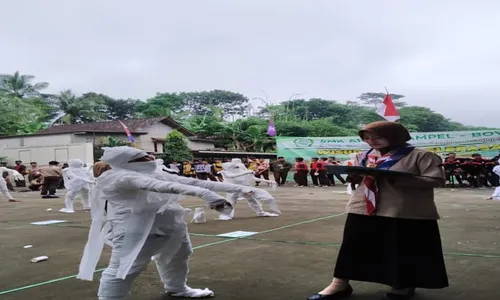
x=371, y=190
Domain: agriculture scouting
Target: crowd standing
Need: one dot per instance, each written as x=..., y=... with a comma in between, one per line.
x=473, y=172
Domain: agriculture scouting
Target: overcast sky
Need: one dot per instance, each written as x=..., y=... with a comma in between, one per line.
x=441, y=54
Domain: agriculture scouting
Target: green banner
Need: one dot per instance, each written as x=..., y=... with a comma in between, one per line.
x=463, y=143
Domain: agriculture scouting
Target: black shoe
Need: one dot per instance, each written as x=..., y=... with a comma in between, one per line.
x=345, y=293
x=392, y=296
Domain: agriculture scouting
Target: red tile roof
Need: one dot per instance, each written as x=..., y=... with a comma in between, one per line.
x=134, y=125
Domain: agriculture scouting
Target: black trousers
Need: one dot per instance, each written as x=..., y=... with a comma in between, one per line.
x=280, y=177
x=300, y=178
x=205, y=176
x=50, y=184
x=322, y=178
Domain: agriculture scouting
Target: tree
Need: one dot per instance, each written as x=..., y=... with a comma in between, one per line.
x=176, y=147
x=20, y=116
x=88, y=108
x=20, y=86
x=423, y=119
x=199, y=103
x=161, y=105
x=374, y=99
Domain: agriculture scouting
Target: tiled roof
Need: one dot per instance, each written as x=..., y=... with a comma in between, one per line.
x=134, y=125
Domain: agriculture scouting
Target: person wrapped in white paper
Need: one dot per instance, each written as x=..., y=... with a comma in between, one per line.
x=235, y=172
x=77, y=181
x=141, y=224
x=496, y=192
x=3, y=184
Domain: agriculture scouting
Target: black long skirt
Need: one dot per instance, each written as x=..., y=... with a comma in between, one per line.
x=401, y=253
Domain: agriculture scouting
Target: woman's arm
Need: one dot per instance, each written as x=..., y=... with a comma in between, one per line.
x=431, y=173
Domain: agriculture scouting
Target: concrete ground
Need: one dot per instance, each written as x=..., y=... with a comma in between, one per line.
x=290, y=258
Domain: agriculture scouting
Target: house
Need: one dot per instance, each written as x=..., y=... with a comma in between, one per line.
x=63, y=142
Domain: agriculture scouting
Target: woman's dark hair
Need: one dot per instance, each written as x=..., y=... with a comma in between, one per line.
x=299, y=159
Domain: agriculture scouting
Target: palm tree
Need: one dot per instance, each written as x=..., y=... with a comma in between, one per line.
x=19, y=86
x=234, y=133
x=75, y=110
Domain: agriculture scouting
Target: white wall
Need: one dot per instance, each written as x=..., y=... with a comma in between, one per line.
x=46, y=140
x=98, y=137
x=197, y=145
x=159, y=131
x=44, y=154
x=37, y=140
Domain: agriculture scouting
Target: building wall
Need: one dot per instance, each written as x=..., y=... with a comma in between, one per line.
x=98, y=137
x=44, y=154
x=197, y=145
x=158, y=130
x=39, y=140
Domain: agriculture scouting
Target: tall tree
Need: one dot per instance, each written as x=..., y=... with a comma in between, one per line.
x=20, y=86
x=423, y=119
x=20, y=116
x=119, y=109
x=199, y=103
x=76, y=110
x=176, y=147
x=161, y=105
x=374, y=99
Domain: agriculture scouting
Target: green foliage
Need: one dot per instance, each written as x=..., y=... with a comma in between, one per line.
x=20, y=86
x=20, y=116
x=374, y=99
x=176, y=147
x=219, y=115
x=90, y=107
x=161, y=105
x=200, y=103
x=108, y=141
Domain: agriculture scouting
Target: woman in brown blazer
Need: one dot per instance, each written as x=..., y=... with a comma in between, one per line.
x=391, y=234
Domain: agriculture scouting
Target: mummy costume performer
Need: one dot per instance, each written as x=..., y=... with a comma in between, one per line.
x=141, y=223
x=496, y=193
x=3, y=184
x=77, y=181
x=235, y=172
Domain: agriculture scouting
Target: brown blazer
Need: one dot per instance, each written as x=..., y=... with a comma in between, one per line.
x=404, y=197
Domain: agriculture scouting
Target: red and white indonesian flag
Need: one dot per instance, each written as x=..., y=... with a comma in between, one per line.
x=388, y=110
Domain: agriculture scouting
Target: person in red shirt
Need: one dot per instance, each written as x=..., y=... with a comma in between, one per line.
x=318, y=172
x=476, y=171
x=301, y=171
x=452, y=168
x=322, y=173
